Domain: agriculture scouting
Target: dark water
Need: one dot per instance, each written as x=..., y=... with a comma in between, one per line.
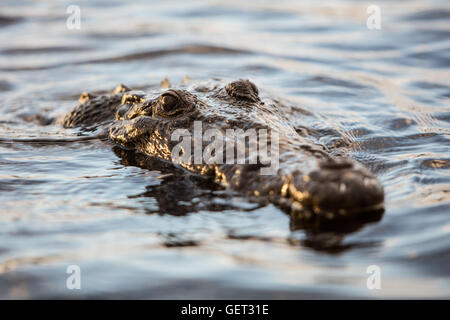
x=153, y=232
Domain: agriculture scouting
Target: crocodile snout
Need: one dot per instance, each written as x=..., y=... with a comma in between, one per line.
x=340, y=188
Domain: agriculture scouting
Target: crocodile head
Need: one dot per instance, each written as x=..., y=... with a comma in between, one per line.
x=196, y=120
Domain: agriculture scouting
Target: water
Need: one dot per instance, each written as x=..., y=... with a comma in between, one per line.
x=149, y=231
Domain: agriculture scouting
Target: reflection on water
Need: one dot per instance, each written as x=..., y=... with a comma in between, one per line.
x=140, y=227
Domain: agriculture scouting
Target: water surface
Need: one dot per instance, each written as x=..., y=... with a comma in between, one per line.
x=147, y=230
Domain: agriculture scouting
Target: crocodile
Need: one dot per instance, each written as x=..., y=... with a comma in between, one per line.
x=309, y=180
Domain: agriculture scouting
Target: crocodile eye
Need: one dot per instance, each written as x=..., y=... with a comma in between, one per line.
x=169, y=102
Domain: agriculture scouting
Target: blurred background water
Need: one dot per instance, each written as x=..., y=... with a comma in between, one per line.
x=150, y=232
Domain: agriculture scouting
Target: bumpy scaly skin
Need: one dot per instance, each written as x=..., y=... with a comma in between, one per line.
x=92, y=111
x=309, y=180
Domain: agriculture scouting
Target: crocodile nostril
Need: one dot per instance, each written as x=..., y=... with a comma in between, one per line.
x=169, y=102
x=336, y=164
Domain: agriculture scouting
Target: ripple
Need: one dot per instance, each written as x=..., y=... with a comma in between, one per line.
x=43, y=50
x=7, y=20
x=435, y=163
x=429, y=14
x=5, y=86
